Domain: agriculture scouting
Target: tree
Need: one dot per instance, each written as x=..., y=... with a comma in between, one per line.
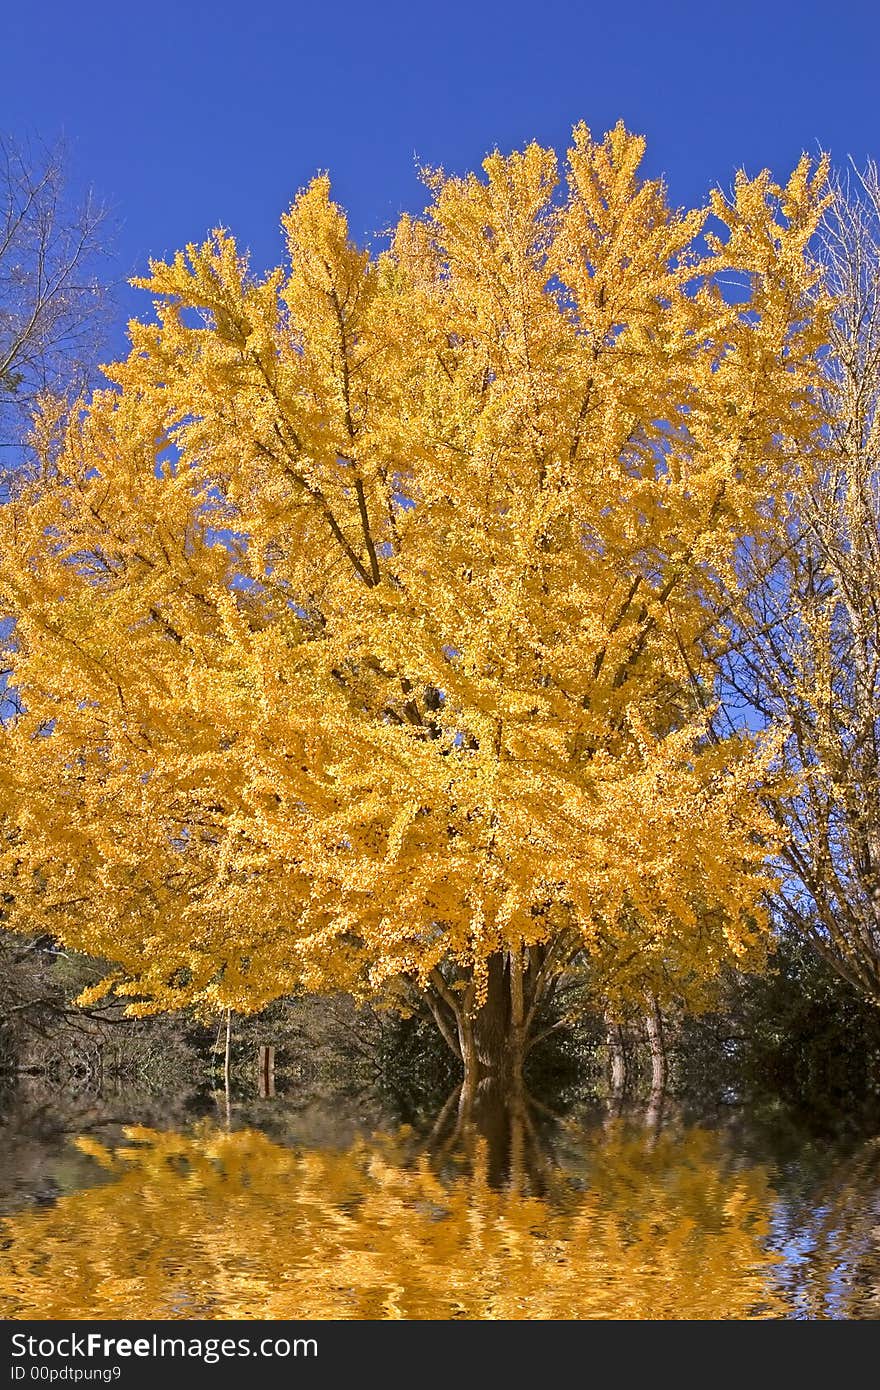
x=802, y=635
x=358, y=629
x=51, y=300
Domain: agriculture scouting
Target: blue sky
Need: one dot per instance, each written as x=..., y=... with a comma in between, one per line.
x=188, y=115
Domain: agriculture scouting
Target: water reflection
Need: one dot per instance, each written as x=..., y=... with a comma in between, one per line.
x=490, y=1212
x=218, y=1224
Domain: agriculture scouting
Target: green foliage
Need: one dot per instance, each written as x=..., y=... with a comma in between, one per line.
x=799, y=1028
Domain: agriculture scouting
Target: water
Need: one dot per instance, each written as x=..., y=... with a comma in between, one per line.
x=332, y=1209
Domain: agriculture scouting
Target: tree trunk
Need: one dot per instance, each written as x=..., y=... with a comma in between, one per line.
x=490, y=1044
x=617, y=1050
x=492, y=1022
x=657, y=1042
x=494, y=1039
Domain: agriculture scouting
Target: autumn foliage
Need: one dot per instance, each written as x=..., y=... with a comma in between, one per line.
x=241, y=1227
x=358, y=624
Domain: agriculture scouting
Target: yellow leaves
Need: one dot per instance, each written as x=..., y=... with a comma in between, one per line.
x=603, y=173
x=211, y=277
x=496, y=227
x=318, y=244
x=328, y=296
x=365, y=617
x=95, y=993
x=649, y=1226
x=806, y=194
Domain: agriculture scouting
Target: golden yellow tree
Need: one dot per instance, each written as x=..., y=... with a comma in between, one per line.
x=357, y=628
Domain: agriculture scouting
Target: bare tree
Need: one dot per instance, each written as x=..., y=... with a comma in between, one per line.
x=803, y=651
x=52, y=302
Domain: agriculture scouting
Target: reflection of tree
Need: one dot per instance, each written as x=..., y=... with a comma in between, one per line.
x=216, y=1224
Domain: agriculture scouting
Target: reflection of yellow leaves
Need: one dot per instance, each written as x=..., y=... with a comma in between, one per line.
x=138, y=1134
x=92, y=1149
x=221, y=1225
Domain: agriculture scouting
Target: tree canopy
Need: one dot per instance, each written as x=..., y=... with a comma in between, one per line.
x=358, y=624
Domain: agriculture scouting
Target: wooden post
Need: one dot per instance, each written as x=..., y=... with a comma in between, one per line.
x=227, y=1057
x=517, y=1012
x=267, y=1071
